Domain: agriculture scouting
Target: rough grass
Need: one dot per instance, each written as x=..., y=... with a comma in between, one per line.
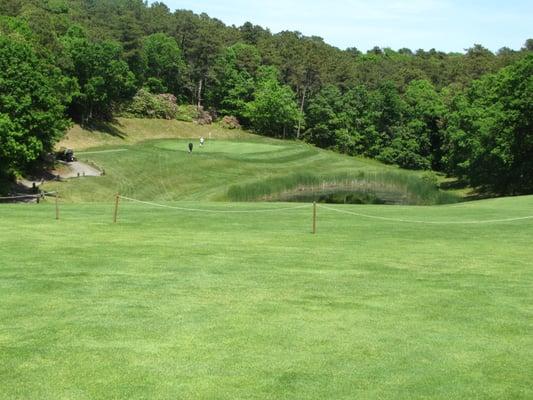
x=406, y=188
x=168, y=304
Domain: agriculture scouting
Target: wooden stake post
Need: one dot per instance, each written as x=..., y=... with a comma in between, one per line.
x=314, y=217
x=117, y=198
x=57, y=206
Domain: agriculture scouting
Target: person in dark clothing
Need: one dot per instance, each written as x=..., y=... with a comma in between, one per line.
x=190, y=147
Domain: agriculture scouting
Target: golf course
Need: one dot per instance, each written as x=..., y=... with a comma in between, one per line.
x=207, y=287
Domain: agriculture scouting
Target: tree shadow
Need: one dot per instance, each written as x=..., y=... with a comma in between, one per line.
x=457, y=184
x=453, y=184
x=475, y=193
x=110, y=127
x=9, y=188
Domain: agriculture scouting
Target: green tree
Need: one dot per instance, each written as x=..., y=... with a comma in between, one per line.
x=233, y=80
x=323, y=117
x=104, y=79
x=273, y=110
x=164, y=62
x=490, y=131
x=424, y=114
x=31, y=106
x=339, y=121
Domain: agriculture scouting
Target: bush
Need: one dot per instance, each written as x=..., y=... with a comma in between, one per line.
x=154, y=85
x=147, y=105
x=430, y=178
x=187, y=113
x=230, y=122
x=204, y=118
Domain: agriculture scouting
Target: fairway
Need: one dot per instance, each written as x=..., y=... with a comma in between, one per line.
x=243, y=304
x=197, y=208
x=218, y=146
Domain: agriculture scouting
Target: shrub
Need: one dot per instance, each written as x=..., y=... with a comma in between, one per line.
x=187, y=113
x=230, y=122
x=147, y=105
x=203, y=117
x=430, y=178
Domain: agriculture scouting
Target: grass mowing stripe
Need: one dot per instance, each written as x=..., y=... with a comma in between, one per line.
x=189, y=305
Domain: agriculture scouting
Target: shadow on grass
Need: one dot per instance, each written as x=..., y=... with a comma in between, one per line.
x=9, y=188
x=453, y=184
x=110, y=127
x=474, y=193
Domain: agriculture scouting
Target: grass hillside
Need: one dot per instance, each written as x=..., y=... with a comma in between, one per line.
x=195, y=305
x=125, y=131
x=149, y=160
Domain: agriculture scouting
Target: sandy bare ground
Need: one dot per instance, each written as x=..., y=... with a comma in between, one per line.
x=65, y=171
x=77, y=169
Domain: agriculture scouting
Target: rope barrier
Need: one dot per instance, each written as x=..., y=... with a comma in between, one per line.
x=214, y=211
x=491, y=221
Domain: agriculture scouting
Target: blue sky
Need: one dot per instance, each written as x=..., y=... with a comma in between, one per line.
x=448, y=25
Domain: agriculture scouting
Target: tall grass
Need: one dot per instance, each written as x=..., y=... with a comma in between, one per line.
x=399, y=187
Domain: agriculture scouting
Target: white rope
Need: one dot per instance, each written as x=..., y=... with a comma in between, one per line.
x=490, y=221
x=214, y=211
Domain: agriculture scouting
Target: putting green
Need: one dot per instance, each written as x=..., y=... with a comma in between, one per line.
x=215, y=146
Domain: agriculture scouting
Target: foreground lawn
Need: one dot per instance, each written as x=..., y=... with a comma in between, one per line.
x=170, y=304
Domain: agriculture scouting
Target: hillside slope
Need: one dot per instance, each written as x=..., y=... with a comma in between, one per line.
x=149, y=160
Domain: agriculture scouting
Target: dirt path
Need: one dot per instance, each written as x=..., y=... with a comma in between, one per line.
x=64, y=171
x=76, y=168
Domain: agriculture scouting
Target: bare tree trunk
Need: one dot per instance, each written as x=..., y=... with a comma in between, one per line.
x=200, y=83
x=301, y=112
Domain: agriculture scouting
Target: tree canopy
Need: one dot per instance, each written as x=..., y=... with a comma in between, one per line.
x=32, y=109
x=465, y=114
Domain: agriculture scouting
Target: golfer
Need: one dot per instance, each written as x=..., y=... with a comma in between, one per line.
x=202, y=141
x=190, y=147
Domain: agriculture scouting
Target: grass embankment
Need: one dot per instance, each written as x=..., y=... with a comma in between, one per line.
x=127, y=131
x=170, y=304
x=233, y=165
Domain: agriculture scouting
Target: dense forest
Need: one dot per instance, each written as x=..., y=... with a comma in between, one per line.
x=468, y=115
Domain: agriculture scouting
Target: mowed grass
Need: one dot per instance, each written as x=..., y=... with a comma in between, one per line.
x=169, y=304
x=248, y=168
x=163, y=169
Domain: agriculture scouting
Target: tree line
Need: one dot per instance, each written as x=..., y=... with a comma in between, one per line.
x=465, y=114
